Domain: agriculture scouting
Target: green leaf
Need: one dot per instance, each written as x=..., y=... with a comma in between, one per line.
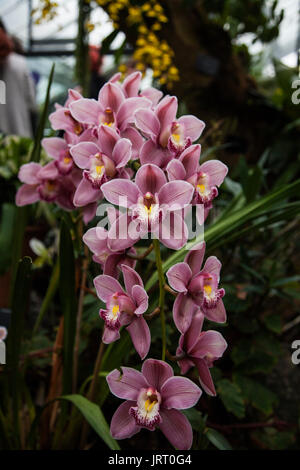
x=67, y=300
x=6, y=235
x=256, y=394
x=51, y=290
x=217, y=439
x=231, y=397
x=273, y=322
x=196, y=419
x=94, y=417
x=106, y=43
x=36, y=151
x=18, y=308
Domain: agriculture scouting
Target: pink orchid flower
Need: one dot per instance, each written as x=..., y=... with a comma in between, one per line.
x=62, y=119
x=112, y=109
x=3, y=333
x=200, y=348
x=205, y=178
x=153, y=203
x=47, y=184
x=101, y=162
x=197, y=289
x=124, y=308
x=96, y=239
x=168, y=136
x=153, y=399
x=131, y=85
x=59, y=149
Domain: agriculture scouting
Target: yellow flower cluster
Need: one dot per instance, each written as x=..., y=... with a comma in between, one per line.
x=46, y=11
x=150, y=51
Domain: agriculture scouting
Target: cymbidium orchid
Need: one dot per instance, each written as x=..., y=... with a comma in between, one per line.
x=205, y=178
x=167, y=136
x=100, y=162
x=197, y=289
x=124, y=307
x=96, y=239
x=61, y=118
x=94, y=159
x=112, y=108
x=200, y=348
x=153, y=399
x=153, y=203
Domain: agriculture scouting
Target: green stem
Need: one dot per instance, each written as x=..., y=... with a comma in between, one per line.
x=161, y=280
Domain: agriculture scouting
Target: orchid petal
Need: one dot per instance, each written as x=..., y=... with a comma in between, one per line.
x=150, y=153
x=216, y=171
x=28, y=173
x=216, y=314
x=193, y=126
x=82, y=152
x=127, y=384
x=183, y=311
x=140, y=336
x=86, y=110
x=205, y=377
x=127, y=109
x=190, y=159
x=177, y=429
x=131, y=278
x=175, y=170
x=147, y=122
x=122, y=152
x=140, y=297
x=27, y=194
x=85, y=194
x=111, y=96
x=150, y=178
x=123, y=425
x=179, y=277
x=54, y=146
x=180, y=393
x=106, y=286
x=131, y=84
x=121, y=192
x=194, y=258
x=96, y=239
x=176, y=194
x=156, y=372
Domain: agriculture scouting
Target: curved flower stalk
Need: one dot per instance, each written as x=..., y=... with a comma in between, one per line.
x=153, y=399
x=124, y=308
x=197, y=289
x=153, y=203
x=200, y=348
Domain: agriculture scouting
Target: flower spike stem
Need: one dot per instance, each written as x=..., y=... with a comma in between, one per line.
x=161, y=279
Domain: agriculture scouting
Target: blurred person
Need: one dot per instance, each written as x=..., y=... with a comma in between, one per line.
x=18, y=112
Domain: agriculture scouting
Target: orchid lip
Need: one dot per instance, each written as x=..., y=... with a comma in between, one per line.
x=146, y=413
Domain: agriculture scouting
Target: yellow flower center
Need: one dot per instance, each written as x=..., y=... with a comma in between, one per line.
x=115, y=310
x=201, y=188
x=207, y=289
x=67, y=160
x=99, y=169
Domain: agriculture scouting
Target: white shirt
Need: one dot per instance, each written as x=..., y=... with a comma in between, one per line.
x=19, y=97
